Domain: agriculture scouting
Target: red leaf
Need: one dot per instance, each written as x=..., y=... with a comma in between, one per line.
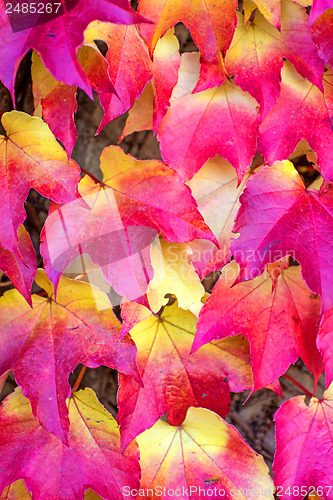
x=304, y=447
x=196, y=127
x=173, y=379
x=211, y=23
x=30, y=157
x=44, y=344
x=257, y=51
x=63, y=35
x=280, y=217
x=134, y=194
x=300, y=104
x=53, y=470
x=280, y=324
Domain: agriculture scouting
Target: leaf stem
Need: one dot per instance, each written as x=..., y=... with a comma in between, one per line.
x=84, y=171
x=79, y=378
x=300, y=386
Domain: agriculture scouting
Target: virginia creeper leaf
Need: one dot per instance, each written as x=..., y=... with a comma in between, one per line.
x=304, y=445
x=174, y=380
x=174, y=274
x=204, y=452
x=133, y=195
x=257, y=51
x=196, y=127
x=301, y=112
x=211, y=23
x=63, y=35
x=215, y=188
x=324, y=343
x=279, y=216
x=279, y=323
x=141, y=115
x=51, y=469
x=30, y=157
x=44, y=344
x=21, y=271
x=129, y=67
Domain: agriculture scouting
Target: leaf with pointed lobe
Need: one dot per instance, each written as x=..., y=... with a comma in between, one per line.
x=301, y=112
x=216, y=190
x=279, y=323
x=304, y=445
x=129, y=67
x=30, y=157
x=203, y=452
x=142, y=116
x=20, y=270
x=278, y=217
x=174, y=274
x=223, y=120
x=52, y=470
x=44, y=344
x=211, y=23
x=135, y=200
x=173, y=379
x=257, y=51
x=63, y=36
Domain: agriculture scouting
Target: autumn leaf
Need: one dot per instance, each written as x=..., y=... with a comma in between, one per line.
x=44, y=344
x=279, y=322
x=304, y=446
x=257, y=51
x=20, y=270
x=56, y=102
x=63, y=35
x=30, y=157
x=174, y=274
x=51, y=469
x=279, y=216
x=135, y=200
x=216, y=190
x=211, y=23
x=198, y=126
x=301, y=112
x=203, y=452
x=129, y=67
x=173, y=380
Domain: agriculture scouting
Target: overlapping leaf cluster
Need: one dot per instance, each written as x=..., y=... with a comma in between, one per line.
x=225, y=197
